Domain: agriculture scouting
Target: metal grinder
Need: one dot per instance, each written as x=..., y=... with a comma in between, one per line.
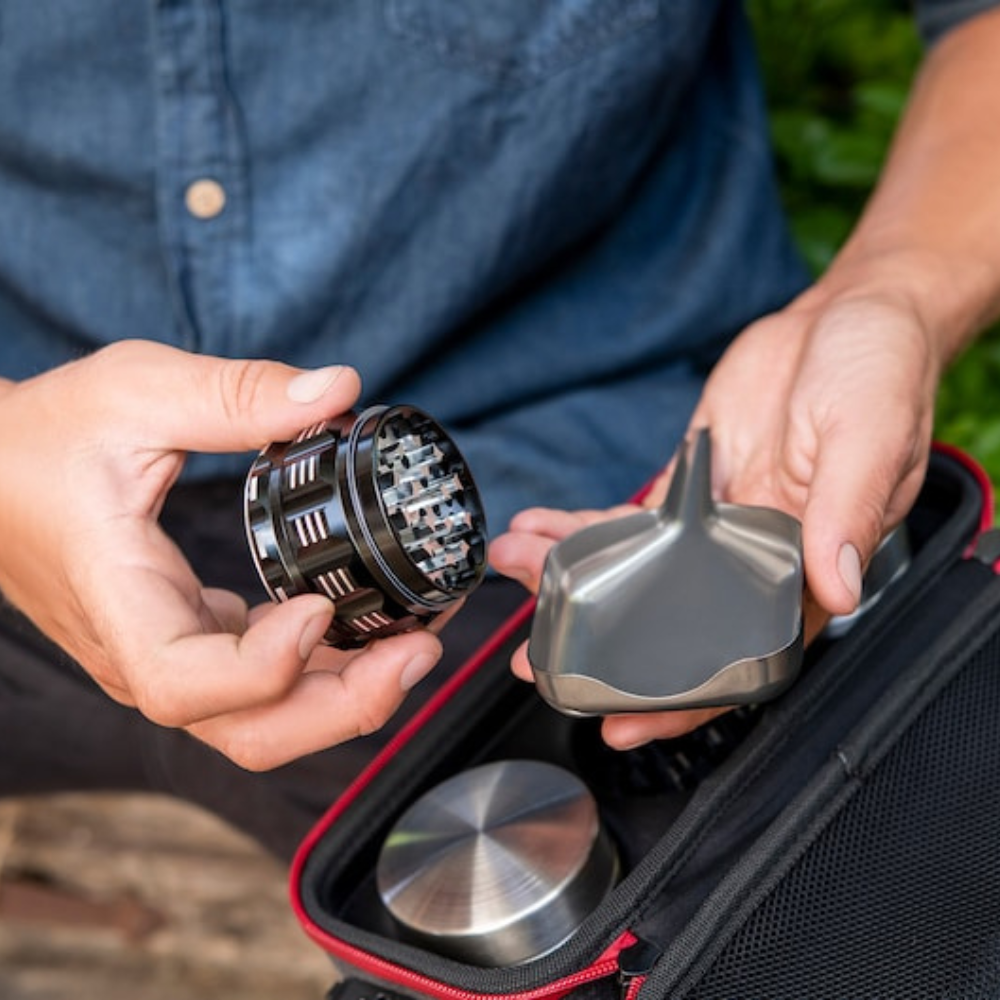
x=378, y=511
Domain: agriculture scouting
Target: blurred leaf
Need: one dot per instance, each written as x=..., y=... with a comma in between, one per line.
x=968, y=405
x=850, y=158
x=819, y=231
x=882, y=100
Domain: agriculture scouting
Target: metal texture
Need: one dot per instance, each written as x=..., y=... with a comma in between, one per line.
x=378, y=511
x=497, y=865
x=694, y=605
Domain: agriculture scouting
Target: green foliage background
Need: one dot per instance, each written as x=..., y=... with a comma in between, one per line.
x=837, y=74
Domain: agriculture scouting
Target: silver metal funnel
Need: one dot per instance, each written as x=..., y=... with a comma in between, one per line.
x=693, y=605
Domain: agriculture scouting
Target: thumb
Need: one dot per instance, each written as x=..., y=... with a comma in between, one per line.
x=200, y=403
x=844, y=519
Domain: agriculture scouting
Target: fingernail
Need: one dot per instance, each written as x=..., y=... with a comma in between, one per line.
x=849, y=567
x=310, y=386
x=311, y=635
x=416, y=670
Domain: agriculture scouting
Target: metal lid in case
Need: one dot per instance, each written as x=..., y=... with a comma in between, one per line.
x=499, y=864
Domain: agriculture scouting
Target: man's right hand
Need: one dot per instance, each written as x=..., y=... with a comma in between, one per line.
x=90, y=451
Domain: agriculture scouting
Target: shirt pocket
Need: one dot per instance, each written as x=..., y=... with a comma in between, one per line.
x=517, y=42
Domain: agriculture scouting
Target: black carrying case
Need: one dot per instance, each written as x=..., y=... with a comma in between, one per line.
x=840, y=842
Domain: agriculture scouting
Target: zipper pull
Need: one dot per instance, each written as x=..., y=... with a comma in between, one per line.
x=987, y=548
x=635, y=963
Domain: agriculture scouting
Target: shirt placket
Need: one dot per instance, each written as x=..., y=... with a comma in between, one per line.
x=201, y=172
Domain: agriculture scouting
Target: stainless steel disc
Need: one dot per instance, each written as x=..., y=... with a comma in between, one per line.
x=499, y=864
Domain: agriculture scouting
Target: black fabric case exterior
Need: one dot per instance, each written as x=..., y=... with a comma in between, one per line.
x=842, y=841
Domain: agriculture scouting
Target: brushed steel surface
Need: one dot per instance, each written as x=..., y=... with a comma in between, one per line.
x=692, y=605
x=498, y=864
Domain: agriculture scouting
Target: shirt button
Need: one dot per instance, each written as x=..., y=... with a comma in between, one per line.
x=205, y=198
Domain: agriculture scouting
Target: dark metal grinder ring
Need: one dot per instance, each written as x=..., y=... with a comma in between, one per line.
x=377, y=511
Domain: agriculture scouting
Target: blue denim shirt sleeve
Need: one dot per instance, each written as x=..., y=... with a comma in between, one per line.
x=936, y=17
x=539, y=222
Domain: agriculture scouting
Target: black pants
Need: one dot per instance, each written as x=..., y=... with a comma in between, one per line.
x=60, y=732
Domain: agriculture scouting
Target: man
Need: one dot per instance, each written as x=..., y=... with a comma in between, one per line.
x=543, y=223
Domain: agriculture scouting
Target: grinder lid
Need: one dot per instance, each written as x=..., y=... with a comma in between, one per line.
x=498, y=864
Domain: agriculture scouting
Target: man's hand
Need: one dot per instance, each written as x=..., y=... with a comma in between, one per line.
x=91, y=450
x=824, y=411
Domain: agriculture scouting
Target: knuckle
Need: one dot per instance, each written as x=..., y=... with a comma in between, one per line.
x=116, y=353
x=244, y=740
x=239, y=388
x=160, y=707
x=157, y=697
x=245, y=748
x=371, y=716
x=122, y=354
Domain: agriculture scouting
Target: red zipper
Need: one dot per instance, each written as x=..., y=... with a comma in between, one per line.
x=633, y=987
x=605, y=965
x=988, y=513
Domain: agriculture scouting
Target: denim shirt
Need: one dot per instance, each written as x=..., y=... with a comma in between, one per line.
x=541, y=222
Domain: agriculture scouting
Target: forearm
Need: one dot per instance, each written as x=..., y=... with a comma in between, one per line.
x=930, y=234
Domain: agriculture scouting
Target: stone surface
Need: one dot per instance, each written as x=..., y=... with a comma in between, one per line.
x=108, y=897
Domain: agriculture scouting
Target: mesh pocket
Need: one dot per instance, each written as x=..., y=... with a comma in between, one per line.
x=899, y=897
